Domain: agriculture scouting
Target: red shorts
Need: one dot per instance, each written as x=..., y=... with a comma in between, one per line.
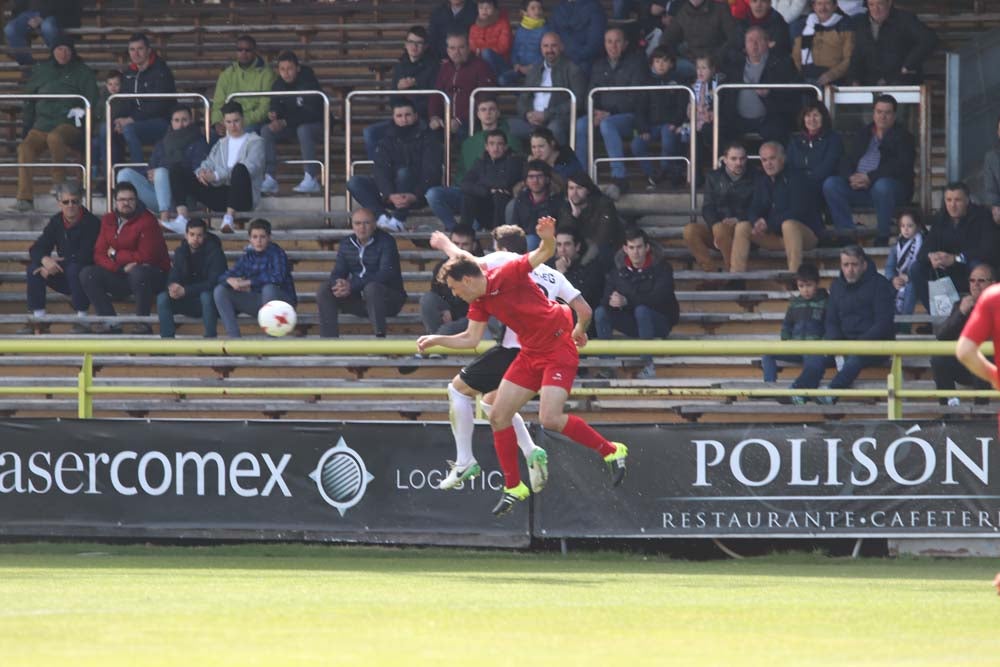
x=557, y=367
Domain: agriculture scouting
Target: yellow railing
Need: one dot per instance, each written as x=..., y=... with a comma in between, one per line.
x=894, y=392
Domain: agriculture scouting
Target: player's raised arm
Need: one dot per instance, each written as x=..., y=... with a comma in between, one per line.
x=546, y=230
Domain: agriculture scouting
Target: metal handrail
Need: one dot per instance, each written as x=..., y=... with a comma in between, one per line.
x=87, y=129
x=108, y=168
x=692, y=147
x=919, y=95
x=348, y=165
x=326, y=132
x=716, y=107
x=528, y=89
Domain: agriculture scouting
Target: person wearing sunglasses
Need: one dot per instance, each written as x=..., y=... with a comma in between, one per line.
x=249, y=73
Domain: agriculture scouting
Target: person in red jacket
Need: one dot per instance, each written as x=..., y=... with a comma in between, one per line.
x=490, y=36
x=457, y=77
x=130, y=257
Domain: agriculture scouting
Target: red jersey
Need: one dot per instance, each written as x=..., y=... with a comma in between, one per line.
x=984, y=321
x=514, y=299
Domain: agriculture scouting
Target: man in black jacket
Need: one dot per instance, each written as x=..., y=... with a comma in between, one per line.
x=450, y=16
x=591, y=213
x=890, y=46
x=198, y=262
x=537, y=199
x=408, y=162
x=72, y=233
x=949, y=371
x=300, y=116
x=487, y=187
x=571, y=261
x=441, y=311
x=875, y=170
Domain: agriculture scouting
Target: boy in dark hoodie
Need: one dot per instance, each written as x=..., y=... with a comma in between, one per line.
x=198, y=262
x=804, y=320
x=662, y=115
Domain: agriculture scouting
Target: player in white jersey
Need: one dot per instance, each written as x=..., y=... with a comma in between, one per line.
x=483, y=375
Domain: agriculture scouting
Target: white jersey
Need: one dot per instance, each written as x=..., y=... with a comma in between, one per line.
x=552, y=283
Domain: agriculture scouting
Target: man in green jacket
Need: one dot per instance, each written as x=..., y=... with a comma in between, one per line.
x=249, y=74
x=54, y=124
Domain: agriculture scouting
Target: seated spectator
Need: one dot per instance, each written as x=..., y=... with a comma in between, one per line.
x=860, y=307
x=593, y=214
x=903, y=256
x=614, y=112
x=586, y=275
x=457, y=77
x=184, y=148
x=49, y=19
x=991, y=177
x=949, y=371
x=130, y=258
x=261, y=274
x=663, y=117
x=816, y=149
x=249, y=74
x=783, y=213
x=961, y=236
x=51, y=123
x=408, y=163
x=560, y=157
x=536, y=199
x=823, y=51
x=804, y=319
x=550, y=110
x=490, y=37
x=416, y=69
x=728, y=193
x=72, y=234
x=366, y=279
x=767, y=112
x=198, y=262
x=639, y=298
x=705, y=83
x=701, y=27
x=299, y=117
x=450, y=17
x=890, y=47
x=779, y=41
x=113, y=81
x=581, y=25
x=144, y=120
x=441, y=311
x=229, y=179
x=527, y=43
x=487, y=188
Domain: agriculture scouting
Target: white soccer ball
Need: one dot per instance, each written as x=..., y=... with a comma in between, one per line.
x=276, y=318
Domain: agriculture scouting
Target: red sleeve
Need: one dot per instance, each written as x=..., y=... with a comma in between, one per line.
x=477, y=313
x=505, y=38
x=101, y=249
x=979, y=328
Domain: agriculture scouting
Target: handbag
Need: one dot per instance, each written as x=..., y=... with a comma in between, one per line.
x=943, y=296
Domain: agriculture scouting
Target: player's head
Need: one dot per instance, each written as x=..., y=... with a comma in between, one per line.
x=464, y=278
x=510, y=238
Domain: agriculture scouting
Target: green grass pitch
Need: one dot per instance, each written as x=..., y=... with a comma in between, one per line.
x=88, y=604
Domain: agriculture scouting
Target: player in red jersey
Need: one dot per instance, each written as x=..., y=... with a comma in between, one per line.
x=983, y=325
x=547, y=364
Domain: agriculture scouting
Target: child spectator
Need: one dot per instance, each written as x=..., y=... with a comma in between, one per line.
x=112, y=86
x=490, y=37
x=527, y=49
x=663, y=116
x=804, y=319
x=902, y=257
x=704, y=85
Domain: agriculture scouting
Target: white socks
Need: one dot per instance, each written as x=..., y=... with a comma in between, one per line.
x=38, y=313
x=462, y=422
x=524, y=440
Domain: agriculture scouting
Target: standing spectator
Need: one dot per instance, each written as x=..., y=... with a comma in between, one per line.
x=860, y=308
x=230, y=177
x=527, y=43
x=550, y=110
x=450, y=17
x=593, y=214
x=948, y=371
x=701, y=27
x=490, y=37
x=728, y=193
x=614, y=112
x=991, y=177
x=72, y=234
x=366, y=278
x=823, y=51
x=804, y=319
x=183, y=147
x=487, y=188
x=816, y=149
x=783, y=213
x=763, y=110
x=457, y=77
x=581, y=24
x=890, y=47
x=662, y=116
x=536, y=200
x=441, y=311
x=50, y=123
x=260, y=275
x=248, y=74
x=903, y=256
x=571, y=261
x=876, y=170
x=300, y=117
x=198, y=262
x=130, y=257
x=408, y=163
x=49, y=18
x=639, y=297
x=778, y=36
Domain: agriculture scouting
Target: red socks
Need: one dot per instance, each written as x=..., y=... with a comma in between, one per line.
x=505, y=442
x=579, y=431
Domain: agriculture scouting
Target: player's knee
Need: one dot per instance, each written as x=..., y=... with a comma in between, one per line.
x=499, y=420
x=552, y=420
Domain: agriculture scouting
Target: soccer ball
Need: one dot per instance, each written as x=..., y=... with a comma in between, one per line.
x=276, y=318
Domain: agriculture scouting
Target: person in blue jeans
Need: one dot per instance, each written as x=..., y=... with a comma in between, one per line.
x=48, y=18
x=661, y=116
x=198, y=262
x=804, y=320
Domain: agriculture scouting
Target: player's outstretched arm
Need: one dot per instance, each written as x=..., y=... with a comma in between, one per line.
x=440, y=241
x=462, y=341
x=546, y=230
x=583, y=314
x=967, y=351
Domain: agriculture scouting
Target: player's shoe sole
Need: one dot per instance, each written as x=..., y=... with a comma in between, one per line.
x=457, y=475
x=510, y=497
x=538, y=469
x=616, y=463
